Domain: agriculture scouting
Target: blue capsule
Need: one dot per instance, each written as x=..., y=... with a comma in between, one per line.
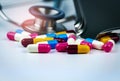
x=52, y=43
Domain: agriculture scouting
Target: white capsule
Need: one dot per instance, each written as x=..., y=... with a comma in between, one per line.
x=97, y=44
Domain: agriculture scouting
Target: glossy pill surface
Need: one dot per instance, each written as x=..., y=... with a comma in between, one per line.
x=13, y=36
x=61, y=47
x=78, y=49
x=107, y=47
x=95, y=43
x=39, y=48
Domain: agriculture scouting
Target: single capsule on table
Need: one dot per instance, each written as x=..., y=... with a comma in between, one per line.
x=95, y=43
x=27, y=41
x=108, y=46
x=39, y=48
x=78, y=49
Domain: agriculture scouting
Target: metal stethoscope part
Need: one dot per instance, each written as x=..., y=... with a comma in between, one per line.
x=47, y=19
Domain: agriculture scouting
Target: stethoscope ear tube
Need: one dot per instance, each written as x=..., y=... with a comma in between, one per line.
x=3, y=16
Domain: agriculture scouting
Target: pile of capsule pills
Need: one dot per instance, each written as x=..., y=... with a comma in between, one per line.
x=64, y=41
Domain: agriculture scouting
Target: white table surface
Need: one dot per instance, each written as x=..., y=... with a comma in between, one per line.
x=16, y=64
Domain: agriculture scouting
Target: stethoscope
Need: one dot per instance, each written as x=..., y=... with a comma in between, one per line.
x=47, y=20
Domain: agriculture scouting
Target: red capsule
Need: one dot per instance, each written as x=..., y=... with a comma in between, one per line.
x=107, y=47
x=61, y=47
x=25, y=42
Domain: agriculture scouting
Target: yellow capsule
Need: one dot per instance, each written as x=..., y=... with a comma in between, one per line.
x=105, y=39
x=83, y=49
x=62, y=32
x=36, y=40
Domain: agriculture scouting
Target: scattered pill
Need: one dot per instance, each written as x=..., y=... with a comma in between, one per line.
x=107, y=47
x=95, y=43
x=52, y=43
x=78, y=49
x=27, y=41
x=39, y=48
x=18, y=37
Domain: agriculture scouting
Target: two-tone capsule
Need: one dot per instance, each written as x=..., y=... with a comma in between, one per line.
x=39, y=48
x=52, y=43
x=78, y=49
x=107, y=47
x=95, y=43
x=27, y=41
x=17, y=36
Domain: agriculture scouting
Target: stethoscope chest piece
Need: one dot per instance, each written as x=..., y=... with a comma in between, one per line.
x=45, y=20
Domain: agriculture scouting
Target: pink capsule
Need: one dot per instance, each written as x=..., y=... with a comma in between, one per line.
x=61, y=47
x=13, y=36
x=39, y=48
x=17, y=36
x=107, y=47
